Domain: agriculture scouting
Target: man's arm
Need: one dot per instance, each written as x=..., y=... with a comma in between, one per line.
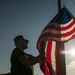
x=33, y=60
x=30, y=62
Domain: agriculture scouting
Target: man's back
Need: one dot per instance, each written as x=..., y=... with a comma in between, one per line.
x=17, y=68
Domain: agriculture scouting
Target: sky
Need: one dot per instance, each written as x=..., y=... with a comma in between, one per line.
x=28, y=18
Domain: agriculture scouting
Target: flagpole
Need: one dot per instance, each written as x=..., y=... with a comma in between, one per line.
x=61, y=47
x=59, y=5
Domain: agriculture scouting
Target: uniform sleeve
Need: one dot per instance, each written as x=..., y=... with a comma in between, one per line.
x=22, y=57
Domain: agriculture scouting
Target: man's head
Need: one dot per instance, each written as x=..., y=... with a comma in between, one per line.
x=20, y=42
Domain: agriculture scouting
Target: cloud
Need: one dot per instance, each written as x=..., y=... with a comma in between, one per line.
x=70, y=68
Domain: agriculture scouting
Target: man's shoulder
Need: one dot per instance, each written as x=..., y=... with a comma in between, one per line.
x=29, y=55
x=16, y=53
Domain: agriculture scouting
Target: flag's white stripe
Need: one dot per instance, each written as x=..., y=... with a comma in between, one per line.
x=53, y=55
x=68, y=23
x=46, y=48
x=67, y=37
x=59, y=31
x=45, y=56
x=58, y=39
x=68, y=30
x=62, y=25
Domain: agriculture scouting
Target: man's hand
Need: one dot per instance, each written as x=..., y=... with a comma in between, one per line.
x=42, y=48
x=42, y=45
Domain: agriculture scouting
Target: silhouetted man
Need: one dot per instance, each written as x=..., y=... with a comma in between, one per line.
x=21, y=62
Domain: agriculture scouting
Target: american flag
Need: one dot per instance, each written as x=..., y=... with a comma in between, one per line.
x=59, y=30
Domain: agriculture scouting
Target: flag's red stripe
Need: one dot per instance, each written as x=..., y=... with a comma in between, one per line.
x=48, y=56
x=69, y=26
x=49, y=67
x=48, y=53
x=46, y=65
x=44, y=68
x=54, y=27
x=57, y=35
